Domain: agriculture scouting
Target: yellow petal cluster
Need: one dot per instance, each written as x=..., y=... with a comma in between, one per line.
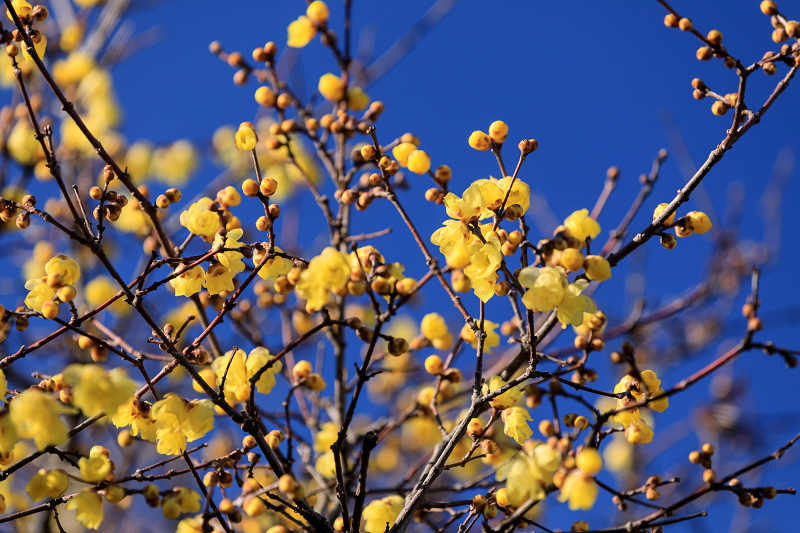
x=94, y=468
x=240, y=369
x=581, y=225
x=529, y=472
x=300, y=32
x=47, y=484
x=198, y=219
x=274, y=267
x=88, y=506
x=36, y=416
x=328, y=271
x=178, y=421
x=96, y=391
x=516, y=423
x=505, y=400
x=189, y=281
x=378, y=513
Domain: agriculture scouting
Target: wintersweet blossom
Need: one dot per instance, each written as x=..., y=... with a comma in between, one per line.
x=516, y=423
x=67, y=268
x=454, y=233
x=492, y=339
x=88, y=506
x=378, y=513
x=47, y=484
x=546, y=287
x=328, y=271
x=199, y=220
x=581, y=225
x=219, y=278
x=96, y=391
x=94, y=468
x=520, y=193
x=492, y=196
x=273, y=267
x=579, y=489
x=466, y=208
x=36, y=416
x=189, y=281
x=529, y=472
x=300, y=32
x=39, y=293
x=505, y=400
x=237, y=370
x=231, y=259
x=574, y=304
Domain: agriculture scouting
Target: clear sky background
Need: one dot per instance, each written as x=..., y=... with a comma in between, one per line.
x=597, y=84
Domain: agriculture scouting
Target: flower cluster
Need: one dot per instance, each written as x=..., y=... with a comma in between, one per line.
x=234, y=370
x=647, y=388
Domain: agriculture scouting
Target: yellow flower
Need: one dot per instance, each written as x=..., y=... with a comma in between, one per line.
x=529, y=472
x=175, y=163
x=486, y=259
x=381, y=512
x=328, y=271
x=326, y=464
x=36, y=416
x=219, y=278
x=581, y=225
x=433, y=326
x=66, y=267
x=454, y=233
x=580, y=490
x=232, y=260
x=325, y=437
x=331, y=87
x=22, y=7
x=241, y=369
x=47, y=484
x=39, y=293
x=199, y=220
x=100, y=290
x=94, y=468
x=516, y=423
x=419, y=162
x=188, y=282
x=492, y=339
x=246, y=138
x=8, y=433
x=468, y=207
x=300, y=31
x=22, y=145
x=178, y=421
x=89, y=508
x=546, y=287
x=638, y=432
x=492, y=196
x=96, y=391
x=188, y=500
x=3, y=386
x=136, y=414
x=508, y=399
x=274, y=267
x=574, y=304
